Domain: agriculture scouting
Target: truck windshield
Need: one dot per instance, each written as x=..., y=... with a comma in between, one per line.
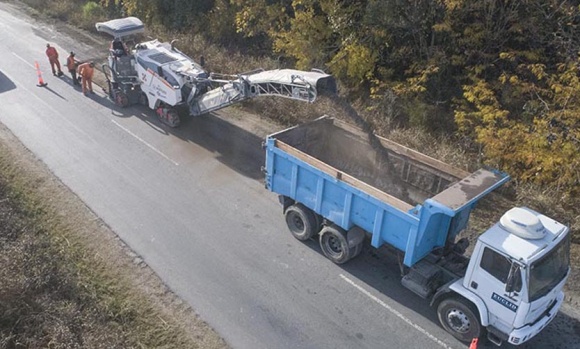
x=547, y=272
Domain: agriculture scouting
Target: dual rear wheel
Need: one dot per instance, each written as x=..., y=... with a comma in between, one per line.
x=457, y=316
x=302, y=222
x=335, y=244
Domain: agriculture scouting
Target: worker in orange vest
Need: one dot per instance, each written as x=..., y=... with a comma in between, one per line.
x=86, y=71
x=72, y=68
x=52, y=55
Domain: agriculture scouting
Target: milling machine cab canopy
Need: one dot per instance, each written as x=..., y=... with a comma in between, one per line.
x=122, y=27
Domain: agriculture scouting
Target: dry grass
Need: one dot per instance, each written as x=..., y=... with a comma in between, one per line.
x=63, y=10
x=56, y=292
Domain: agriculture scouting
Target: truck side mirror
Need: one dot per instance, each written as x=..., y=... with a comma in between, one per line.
x=511, y=279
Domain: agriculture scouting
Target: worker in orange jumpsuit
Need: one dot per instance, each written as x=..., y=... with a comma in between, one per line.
x=71, y=64
x=52, y=55
x=86, y=71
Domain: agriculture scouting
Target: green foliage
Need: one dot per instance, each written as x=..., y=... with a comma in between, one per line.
x=61, y=9
x=520, y=101
x=146, y=10
x=93, y=12
x=221, y=26
x=259, y=17
x=354, y=63
x=500, y=74
x=305, y=36
x=113, y=8
x=541, y=143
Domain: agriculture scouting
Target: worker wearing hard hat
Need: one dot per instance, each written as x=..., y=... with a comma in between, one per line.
x=86, y=71
x=52, y=55
x=71, y=65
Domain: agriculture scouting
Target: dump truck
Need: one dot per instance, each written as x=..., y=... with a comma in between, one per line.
x=337, y=185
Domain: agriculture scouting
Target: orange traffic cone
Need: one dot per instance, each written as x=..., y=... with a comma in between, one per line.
x=41, y=82
x=473, y=343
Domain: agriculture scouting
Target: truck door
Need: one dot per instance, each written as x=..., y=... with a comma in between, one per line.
x=489, y=282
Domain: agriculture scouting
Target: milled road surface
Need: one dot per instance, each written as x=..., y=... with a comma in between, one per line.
x=191, y=203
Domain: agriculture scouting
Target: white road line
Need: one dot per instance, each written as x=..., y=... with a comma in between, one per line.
x=396, y=313
x=23, y=60
x=147, y=144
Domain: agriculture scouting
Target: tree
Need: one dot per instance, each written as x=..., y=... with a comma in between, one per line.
x=520, y=100
x=305, y=36
x=173, y=14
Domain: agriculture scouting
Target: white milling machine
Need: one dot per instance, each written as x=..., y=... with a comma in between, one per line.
x=160, y=76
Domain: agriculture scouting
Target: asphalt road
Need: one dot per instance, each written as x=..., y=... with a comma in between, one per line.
x=192, y=204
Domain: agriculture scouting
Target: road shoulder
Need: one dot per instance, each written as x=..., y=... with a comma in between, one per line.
x=102, y=243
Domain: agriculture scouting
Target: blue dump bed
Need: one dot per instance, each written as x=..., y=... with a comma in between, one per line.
x=397, y=195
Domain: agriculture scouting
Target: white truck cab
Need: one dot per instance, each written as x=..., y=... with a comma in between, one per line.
x=516, y=275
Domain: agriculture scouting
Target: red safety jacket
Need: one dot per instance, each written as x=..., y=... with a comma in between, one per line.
x=51, y=53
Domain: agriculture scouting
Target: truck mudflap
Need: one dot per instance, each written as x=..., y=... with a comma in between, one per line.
x=524, y=334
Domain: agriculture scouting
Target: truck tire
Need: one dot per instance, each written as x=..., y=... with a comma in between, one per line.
x=460, y=318
x=301, y=222
x=121, y=99
x=334, y=244
x=143, y=100
x=173, y=118
x=169, y=117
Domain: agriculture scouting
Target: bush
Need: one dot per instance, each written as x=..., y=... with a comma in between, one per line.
x=92, y=13
x=59, y=9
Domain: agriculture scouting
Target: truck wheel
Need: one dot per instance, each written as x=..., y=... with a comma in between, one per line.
x=121, y=99
x=172, y=118
x=143, y=100
x=334, y=244
x=301, y=221
x=459, y=318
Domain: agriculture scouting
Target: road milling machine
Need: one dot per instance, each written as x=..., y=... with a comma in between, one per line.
x=158, y=75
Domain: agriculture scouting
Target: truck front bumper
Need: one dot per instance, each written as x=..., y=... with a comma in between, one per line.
x=524, y=334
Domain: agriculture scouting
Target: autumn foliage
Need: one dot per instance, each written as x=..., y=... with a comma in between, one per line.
x=501, y=75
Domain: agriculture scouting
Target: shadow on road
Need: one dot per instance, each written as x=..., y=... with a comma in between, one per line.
x=104, y=100
x=69, y=81
x=54, y=92
x=5, y=83
x=235, y=147
x=380, y=272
